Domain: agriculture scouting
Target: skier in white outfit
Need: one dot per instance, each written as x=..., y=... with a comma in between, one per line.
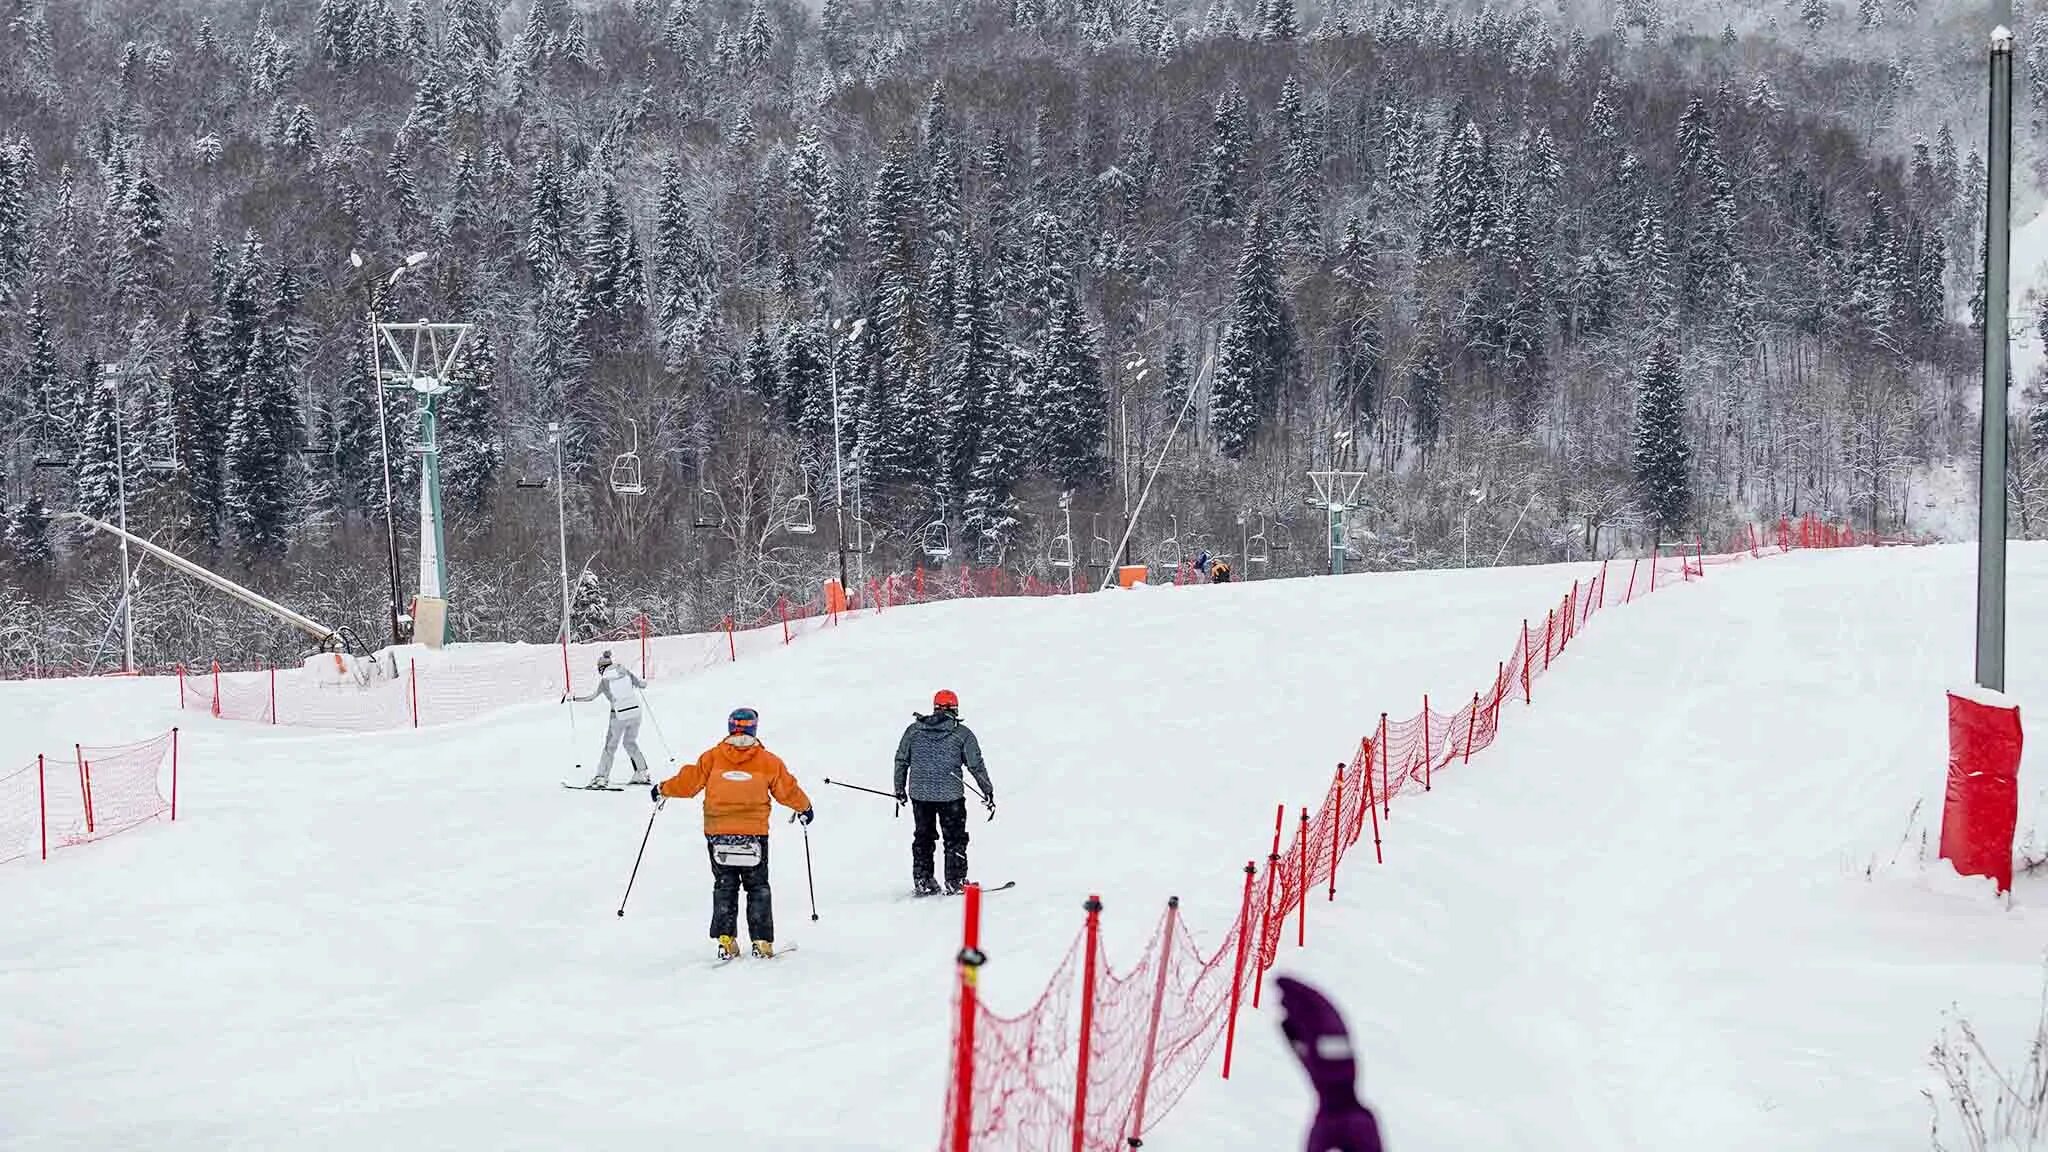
x=617, y=683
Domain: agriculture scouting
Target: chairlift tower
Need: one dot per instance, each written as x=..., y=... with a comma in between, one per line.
x=425, y=355
x=1337, y=492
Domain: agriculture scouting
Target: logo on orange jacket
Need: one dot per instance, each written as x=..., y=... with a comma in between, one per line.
x=739, y=776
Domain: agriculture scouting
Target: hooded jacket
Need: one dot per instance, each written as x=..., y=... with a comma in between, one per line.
x=737, y=777
x=929, y=758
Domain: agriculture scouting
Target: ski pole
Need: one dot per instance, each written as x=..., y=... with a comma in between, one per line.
x=639, y=854
x=808, y=879
x=666, y=749
x=985, y=800
x=870, y=791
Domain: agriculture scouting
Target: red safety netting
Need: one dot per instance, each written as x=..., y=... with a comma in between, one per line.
x=458, y=683
x=1151, y=1029
x=91, y=794
x=21, y=807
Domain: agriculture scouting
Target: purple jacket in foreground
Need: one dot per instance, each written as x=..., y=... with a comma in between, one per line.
x=1316, y=1032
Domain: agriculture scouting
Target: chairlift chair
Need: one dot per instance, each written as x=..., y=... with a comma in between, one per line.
x=1061, y=552
x=1100, y=549
x=626, y=479
x=1257, y=549
x=937, y=544
x=802, y=520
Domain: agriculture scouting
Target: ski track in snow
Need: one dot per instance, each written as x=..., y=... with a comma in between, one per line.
x=1641, y=919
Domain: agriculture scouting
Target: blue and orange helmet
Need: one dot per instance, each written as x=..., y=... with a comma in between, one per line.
x=743, y=722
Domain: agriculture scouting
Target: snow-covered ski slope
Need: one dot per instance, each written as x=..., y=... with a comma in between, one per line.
x=1641, y=919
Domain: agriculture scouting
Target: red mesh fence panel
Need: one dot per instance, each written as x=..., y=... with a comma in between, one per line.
x=1024, y=1073
x=21, y=819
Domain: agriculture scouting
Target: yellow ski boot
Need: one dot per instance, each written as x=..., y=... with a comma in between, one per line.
x=728, y=948
x=764, y=950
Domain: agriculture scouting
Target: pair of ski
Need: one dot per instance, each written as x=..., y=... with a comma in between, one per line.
x=601, y=787
x=722, y=961
x=986, y=888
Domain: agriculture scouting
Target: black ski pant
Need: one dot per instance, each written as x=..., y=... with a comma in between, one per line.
x=933, y=818
x=726, y=883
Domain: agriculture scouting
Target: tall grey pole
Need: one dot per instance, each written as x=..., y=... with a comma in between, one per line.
x=121, y=487
x=838, y=468
x=561, y=525
x=1991, y=518
x=384, y=450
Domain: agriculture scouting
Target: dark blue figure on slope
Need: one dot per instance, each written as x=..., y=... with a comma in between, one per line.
x=1316, y=1032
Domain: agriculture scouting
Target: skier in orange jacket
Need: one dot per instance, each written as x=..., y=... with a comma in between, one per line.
x=738, y=777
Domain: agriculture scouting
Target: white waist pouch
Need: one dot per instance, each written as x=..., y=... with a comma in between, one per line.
x=737, y=852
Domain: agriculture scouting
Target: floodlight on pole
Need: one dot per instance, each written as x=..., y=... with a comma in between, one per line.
x=113, y=374
x=426, y=354
x=1991, y=510
x=355, y=259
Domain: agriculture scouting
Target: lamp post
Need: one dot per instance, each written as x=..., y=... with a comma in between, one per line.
x=112, y=384
x=1991, y=514
x=383, y=435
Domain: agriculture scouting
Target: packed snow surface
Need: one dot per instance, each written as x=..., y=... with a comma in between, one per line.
x=1682, y=903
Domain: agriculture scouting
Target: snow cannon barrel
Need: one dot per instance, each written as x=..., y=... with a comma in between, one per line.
x=1980, y=811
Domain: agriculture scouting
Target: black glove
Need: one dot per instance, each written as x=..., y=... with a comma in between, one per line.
x=902, y=798
x=804, y=817
x=990, y=802
x=655, y=793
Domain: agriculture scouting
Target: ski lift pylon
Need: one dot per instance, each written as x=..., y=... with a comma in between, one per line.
x=626, y=478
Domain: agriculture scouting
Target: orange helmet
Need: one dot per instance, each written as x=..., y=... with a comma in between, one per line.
x=944, y=701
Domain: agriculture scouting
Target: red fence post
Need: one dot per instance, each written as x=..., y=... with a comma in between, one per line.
x=216, y=689
x=43, y=804
x=273, y=695
x=1378, y=857
x=1549, y=626
x=1425, y=741
x=1471, y=727
x=1386, y=793
x=1653, y=568
x=568, y=689
x=1088, y=964
x=174, y=775
x=181, y=687
x=1152, y=1029
x=1500, y=686
x=413, y=674
x=1244, y=938
x=1266, y=902
x=1301, y=899
x=1603, y=585
x=1337, y=836
x=969, y=962
x=1633, y=564
x=643, y=646
x=84, y=785
x=782, y=609
x=732, y=646
x=1571, y=619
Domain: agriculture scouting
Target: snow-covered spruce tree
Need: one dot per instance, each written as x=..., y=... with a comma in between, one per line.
x=42, y=384
x=1071, y=402
x=14, y=225
x=991, y=511
x=28, y=535
x=97, y=465
x=472, y=442
x=975, y=378
x=1229, y=144
x=199, y=413
x=1257, y=357
x=1662, y=456
x=590, y=609
x=262, y=432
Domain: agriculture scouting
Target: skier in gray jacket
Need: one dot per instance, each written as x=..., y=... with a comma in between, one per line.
x=616, y=683
x=928, y=762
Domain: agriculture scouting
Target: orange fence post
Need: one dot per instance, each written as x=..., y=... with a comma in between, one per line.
x=782, y=609
x=1152, y=1029
x=969, y=962
x=1244, y=936
x=1088, y=966
x=731, y=646
x=84, y=785
x=568, y=688
x=216, y=689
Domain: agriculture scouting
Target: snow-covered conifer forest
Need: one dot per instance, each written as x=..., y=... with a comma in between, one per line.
x=1561, y=283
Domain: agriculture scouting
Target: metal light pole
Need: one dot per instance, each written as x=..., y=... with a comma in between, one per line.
x=383, y=435
x=838, y=468
x=1991, y=516
x=113, y=384
x=561, y=521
